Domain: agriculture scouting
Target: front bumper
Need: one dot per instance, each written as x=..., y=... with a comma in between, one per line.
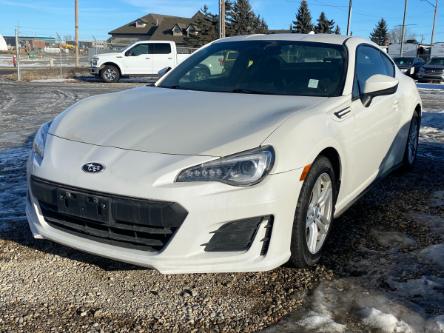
x=209, y=206
x=431, y=76
x=95, y=70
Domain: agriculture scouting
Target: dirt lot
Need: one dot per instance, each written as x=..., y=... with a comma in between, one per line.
x=383, y=270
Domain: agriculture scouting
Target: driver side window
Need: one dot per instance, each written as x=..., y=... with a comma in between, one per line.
x=137, y=50
x=368, y=63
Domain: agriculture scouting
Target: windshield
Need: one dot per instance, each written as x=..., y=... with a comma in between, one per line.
x=436, y=61
x=403, y=61
x=263, y=67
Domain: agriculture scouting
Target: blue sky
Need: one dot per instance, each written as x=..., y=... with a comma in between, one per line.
x=98, y=17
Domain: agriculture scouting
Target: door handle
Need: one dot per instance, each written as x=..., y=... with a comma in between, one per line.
x=342, y=113
x=148, y=58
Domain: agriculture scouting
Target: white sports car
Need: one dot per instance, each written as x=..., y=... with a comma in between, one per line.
x=240, y=168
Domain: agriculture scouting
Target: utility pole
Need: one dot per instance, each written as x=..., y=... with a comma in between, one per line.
x=401, y=52
x=17, y=52
x=350, y=5
x=434, y=22
x=222, y=19
x=77, y=32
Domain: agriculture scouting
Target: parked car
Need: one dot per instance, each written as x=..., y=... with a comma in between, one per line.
x=141, y=58
x=432, y=71
x=241, y=170
x=409, y=65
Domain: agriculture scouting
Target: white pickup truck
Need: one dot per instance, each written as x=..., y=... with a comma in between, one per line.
x=141, y=58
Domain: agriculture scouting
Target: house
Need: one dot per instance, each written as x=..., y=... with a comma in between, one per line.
x=157, y=27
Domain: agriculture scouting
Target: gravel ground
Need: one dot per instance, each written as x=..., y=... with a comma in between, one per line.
x=375, y=251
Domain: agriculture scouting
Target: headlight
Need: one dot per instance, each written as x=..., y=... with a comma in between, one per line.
x=94, y=61
x=38, y=146
x=243, y=169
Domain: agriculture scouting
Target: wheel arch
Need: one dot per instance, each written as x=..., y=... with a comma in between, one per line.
x=418, y=109
x=333, y=155
x=110, y=63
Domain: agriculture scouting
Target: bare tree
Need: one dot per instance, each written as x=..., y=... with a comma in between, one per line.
x=395, y=35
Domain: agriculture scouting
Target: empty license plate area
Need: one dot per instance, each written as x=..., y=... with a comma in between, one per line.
x=86, y=206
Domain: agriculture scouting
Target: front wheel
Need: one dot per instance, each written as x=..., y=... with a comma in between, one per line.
x=411, y=148
x=110, y=74
x=314, y=214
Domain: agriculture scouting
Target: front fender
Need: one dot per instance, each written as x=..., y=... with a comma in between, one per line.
x=101, y=65
x=304, y=136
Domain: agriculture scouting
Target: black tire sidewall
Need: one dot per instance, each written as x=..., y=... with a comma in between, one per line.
x=300, y=255
x=406, y=163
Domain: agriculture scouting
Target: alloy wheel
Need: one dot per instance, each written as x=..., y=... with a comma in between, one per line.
x=110, y=74
x=319, y=215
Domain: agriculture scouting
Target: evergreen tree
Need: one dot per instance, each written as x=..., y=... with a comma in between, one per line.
x=242, y=20
x=324, y=26
x=303, y=22
x=206, y=25
x=337, y=30
x=380, y=34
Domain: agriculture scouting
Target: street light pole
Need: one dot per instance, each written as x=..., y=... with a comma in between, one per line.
x=434, y=23
x=349, y=17
x=17, y=52
x=77, y=31
x=222, y=19
x=403, y=28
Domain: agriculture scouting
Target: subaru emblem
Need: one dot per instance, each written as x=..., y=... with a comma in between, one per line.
x=93, y=167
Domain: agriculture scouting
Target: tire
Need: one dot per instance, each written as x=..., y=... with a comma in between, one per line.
x=411, y=146
x=306, y=221
x=110, y=74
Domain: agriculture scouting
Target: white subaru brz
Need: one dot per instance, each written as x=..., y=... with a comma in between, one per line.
x=237, y=160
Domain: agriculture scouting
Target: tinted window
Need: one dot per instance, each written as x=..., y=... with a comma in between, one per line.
x=368, y=63
x=264, y=67
x=138, y=50
x=161, y=48
x=437, y=61
x=389, y=68
x=403, y=61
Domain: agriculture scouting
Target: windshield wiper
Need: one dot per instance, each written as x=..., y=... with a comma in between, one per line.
x=250, y=91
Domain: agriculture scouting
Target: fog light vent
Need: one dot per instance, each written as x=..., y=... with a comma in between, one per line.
x=237, y=235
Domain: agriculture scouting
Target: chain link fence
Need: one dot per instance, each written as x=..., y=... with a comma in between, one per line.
x=56, y=57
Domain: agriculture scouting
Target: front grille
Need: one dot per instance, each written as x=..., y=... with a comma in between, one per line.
x=434, y=71
x=117, y=220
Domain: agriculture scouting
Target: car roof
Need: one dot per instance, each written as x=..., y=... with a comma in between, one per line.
x=318, y=38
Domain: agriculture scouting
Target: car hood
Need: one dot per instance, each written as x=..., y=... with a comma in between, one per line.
x=108, y=55
x=170, y=121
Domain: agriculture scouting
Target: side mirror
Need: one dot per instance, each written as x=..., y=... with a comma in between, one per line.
x=163, y=71
x=378, y=85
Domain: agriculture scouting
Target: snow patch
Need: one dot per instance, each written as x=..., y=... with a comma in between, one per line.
x=53, y=80
x=437, y=199
x=434, y=222
x=385, y=322
x=393, y=239
x=318, y=322
x=433, y=254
